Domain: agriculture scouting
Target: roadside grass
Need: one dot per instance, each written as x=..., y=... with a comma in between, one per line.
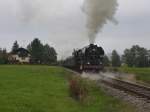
x=46, y=89
x=142, y=74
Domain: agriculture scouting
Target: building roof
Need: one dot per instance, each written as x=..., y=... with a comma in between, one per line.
x=20, y=50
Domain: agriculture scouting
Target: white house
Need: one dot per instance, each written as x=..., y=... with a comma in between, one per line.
x=21, y=55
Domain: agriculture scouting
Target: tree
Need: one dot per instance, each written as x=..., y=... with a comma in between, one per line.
x=116, y=62
x=49, y=55
x=106, y=61
x=3, y=56
x=41, y=54
x=148, y=57
x=36, y=51
x=15, y=46
x=136, y=56
x=128, y=57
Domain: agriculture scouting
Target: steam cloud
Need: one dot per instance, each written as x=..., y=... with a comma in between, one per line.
x=98, y=13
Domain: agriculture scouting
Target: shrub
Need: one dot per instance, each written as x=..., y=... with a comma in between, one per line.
x=78, y=88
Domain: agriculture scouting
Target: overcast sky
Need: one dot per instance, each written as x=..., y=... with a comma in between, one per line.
x=61, y=23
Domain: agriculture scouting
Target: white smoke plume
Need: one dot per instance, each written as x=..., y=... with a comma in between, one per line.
x=98, y=13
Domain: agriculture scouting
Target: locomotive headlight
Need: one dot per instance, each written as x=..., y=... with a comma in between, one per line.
x=88, y=63
x=94, y=49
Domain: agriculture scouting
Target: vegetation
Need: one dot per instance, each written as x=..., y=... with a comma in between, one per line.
x=49, y=55
x=79, y=88
x=142, y=74
x=133, y=57
x=15, y=47
x=45, y=89
x=137, y=57
x=3, y=56
x=106, y=61
x=36, y=51
x=42, y=54
x=115, y=59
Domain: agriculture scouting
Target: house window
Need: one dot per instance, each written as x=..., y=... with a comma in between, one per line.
x=23, y=58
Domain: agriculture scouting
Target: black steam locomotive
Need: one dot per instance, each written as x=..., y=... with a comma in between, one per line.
x=87, y=59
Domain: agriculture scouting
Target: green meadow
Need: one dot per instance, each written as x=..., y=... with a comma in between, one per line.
x=46, y=89
x=142, y=74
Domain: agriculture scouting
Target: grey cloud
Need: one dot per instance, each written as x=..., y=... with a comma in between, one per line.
x=63, y=26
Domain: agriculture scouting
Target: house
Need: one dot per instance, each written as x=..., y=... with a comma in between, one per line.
x=19, y=56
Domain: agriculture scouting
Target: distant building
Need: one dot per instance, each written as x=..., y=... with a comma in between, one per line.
x=20, y=56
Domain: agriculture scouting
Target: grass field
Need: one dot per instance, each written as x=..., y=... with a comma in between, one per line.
x=45, y=89
x=142, y=74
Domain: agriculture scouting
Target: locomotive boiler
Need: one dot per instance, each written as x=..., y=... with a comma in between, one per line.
x=89, y=58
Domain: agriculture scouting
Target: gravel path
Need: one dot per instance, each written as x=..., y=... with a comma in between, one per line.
x=142, y=105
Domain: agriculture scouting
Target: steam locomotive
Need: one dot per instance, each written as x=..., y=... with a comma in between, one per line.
x=87, y=59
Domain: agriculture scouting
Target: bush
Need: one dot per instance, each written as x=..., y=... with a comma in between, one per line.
x=112, y=69
x=78, y=88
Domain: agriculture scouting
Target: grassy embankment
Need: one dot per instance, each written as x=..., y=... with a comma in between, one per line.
x=142, y=74
x=45, y=89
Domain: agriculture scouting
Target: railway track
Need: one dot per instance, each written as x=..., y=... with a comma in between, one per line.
x=135, y=89
x=131, y=88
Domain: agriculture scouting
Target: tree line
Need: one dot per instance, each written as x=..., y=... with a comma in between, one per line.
x=40, y=53
x=135, y=56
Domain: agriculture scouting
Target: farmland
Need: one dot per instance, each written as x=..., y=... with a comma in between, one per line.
x=45, y=89
x=142, y=74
